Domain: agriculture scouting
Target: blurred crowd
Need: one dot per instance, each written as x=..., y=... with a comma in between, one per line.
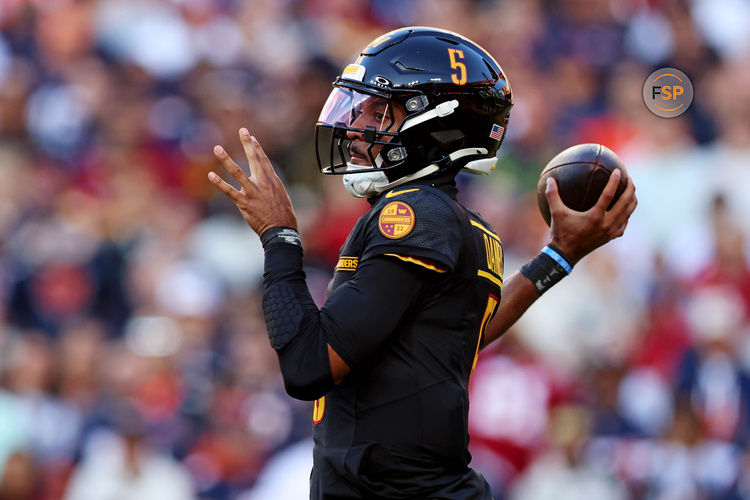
x=134, y=361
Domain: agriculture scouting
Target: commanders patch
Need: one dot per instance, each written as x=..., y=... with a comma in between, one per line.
x=396, y=220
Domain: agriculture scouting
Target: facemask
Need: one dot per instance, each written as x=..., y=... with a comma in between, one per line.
x=364, y=184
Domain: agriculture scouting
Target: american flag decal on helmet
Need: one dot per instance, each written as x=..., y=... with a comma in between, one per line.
x=497, y=132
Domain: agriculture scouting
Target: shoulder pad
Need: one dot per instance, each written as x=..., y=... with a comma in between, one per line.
x=415, y=222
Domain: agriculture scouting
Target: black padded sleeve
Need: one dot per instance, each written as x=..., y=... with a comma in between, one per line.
x=357, y=317
x=293, y=323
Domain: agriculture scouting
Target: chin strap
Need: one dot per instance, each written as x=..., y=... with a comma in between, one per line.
x=366, y=184
x=430, y=169
x=439, y=111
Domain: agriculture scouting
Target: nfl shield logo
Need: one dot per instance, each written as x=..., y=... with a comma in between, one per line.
x=497, y=132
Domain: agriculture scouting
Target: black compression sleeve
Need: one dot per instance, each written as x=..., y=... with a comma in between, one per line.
x=357, y=317
x=293, y=322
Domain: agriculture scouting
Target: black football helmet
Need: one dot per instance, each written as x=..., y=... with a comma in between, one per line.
x=434, y=101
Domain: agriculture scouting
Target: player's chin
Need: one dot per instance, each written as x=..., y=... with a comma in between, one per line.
x=360, y=161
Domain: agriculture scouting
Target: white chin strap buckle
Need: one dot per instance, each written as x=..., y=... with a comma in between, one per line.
x=446, y=108
x=439, y=111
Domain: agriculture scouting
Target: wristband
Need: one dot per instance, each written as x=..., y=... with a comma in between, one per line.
x=281, y=234
x=547, y=268
x=283, y=255
x=559, y=257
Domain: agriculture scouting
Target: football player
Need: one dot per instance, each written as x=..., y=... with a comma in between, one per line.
x=419, y=279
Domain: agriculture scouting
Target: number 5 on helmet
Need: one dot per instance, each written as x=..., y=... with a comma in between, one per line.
x=415, y=102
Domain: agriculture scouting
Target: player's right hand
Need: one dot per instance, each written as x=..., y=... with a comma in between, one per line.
x=577, y=234
x=261, y=199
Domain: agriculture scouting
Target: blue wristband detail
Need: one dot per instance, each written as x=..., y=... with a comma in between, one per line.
x=558, y=258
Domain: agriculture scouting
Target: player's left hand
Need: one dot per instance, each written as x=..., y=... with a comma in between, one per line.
x=262, y=199
x=577, y=234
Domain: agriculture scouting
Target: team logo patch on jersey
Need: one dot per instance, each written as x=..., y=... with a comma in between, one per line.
x=396, y=220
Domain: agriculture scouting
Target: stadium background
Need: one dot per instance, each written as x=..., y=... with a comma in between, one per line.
x=129, y=288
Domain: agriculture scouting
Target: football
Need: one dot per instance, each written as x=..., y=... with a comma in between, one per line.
x=581, y=172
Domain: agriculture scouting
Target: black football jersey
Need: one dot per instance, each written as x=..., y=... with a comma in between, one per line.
x=397, y=426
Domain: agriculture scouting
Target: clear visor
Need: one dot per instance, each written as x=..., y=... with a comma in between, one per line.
x=356, y=110
x=352, y=130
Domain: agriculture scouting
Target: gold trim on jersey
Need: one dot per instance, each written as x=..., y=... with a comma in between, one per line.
x=489, y=276
x=490, y=233
x=419, y=262
x=347, y=263
x=391, y=194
